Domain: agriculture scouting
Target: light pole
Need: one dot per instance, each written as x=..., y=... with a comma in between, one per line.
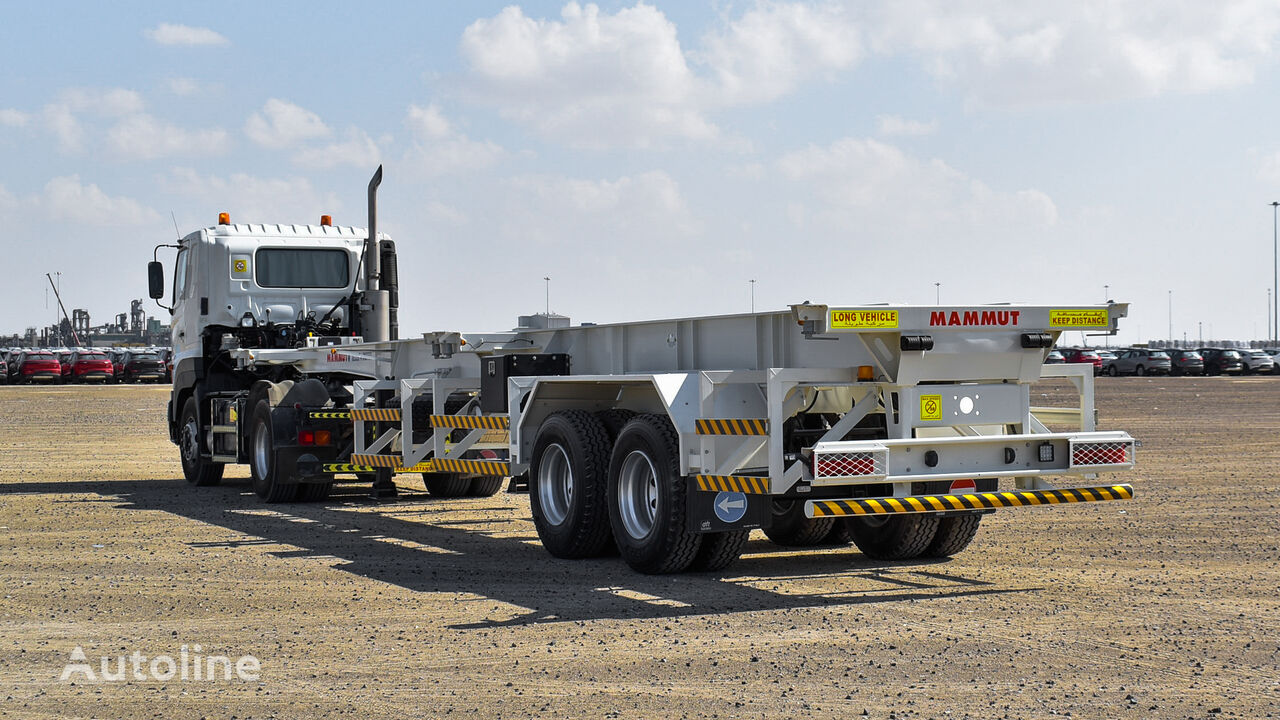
x=1106, y=293
x=548, y=281
x=1275, y=274
x=1170, y=318
x=753, y=296
x=937, y=293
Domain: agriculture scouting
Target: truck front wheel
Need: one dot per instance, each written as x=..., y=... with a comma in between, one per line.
x=196, y=469
x=262, y=456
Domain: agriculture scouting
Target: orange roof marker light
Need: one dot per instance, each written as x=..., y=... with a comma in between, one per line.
x=326, y=220
x=224, y=218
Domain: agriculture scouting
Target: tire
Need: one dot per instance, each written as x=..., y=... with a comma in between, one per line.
x=719, y=550
x=446, y=485
x=791, y=528
x=267, y=482
x=1113, y=371
x=568, y=477
x=314, y=492
x=614, y=419
x=1140, y=371
x=647, y=498
x=954, y=534
x=895, y=537
x=197, y=470
x=841, y=532
x=485, y=486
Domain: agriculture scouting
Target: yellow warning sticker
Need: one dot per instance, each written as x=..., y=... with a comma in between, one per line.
x=1082, y=318
x=863, y=319
x=241, y=266
x=930, y=407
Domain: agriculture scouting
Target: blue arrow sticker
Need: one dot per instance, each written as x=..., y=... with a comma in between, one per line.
x=730, y=506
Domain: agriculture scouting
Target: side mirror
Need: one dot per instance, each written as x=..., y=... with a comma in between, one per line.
x=155, y=279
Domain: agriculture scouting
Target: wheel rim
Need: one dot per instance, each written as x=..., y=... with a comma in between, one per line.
x=638, y=494
x=261, y=450
x=190, y=442
x=1142, y=370
x=555, y=484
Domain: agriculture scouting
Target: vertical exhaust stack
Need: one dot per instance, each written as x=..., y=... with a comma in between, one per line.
x=375, y=318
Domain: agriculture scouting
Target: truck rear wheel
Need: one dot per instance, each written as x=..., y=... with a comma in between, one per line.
x=485, y=486
x=262, y=459
x=894, y=537
x=791, y=528
x=719, y=550
x=954, y=534
x=446, y=485
x=567, y=482
x=196, y=469
x=647, y=498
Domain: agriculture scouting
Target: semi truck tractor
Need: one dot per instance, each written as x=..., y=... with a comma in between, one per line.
x=895, y=427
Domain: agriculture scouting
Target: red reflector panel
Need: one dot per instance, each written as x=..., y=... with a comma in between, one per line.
x=844, y=464
x=1109, y=453
x=960, y=486
x=306, y=437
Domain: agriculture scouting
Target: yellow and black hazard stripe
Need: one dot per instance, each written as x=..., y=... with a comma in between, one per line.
x=329, y=414
x=376, y=461
x=472, y=467
x=376, y=414
x=732, y=426
x=968, y=501
x=734, y=483
x=349, y=468
x=473, y=422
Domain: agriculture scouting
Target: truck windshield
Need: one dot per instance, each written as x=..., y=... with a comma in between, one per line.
x=298, y=268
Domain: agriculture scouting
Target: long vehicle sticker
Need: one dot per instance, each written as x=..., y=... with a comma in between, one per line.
x=863, y=319
x=1089, y=318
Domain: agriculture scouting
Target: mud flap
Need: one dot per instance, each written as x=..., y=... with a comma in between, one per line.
x=721, y=511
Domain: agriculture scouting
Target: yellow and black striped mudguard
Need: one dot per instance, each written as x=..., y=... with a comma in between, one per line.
x=733, y=483
x=731, y=426
x=965, y=501
x=472, y=422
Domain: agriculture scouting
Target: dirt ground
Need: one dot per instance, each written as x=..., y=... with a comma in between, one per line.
x=1164, y=606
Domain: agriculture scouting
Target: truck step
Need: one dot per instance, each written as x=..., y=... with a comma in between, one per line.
x=225, y=429
x=964, y=501
x=224, y=458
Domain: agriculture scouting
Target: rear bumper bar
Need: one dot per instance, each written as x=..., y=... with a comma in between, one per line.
x=964, y=502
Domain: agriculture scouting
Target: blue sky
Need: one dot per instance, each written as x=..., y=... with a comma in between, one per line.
x=652, y=159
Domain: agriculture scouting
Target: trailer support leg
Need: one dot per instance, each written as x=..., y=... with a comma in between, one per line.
x=383, y=484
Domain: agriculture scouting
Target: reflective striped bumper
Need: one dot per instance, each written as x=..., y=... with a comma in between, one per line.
x=965, y=501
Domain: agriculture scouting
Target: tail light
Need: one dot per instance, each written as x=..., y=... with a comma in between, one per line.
x=314, y=437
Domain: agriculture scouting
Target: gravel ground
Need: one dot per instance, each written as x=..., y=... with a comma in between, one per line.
x=1165, y=606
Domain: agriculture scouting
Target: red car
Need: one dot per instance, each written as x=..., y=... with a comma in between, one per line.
x=64, y=360
x=1084, y=355
x=89, y=366
x=36, y=365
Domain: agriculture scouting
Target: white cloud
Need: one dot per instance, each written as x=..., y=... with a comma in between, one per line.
x=867, y=184
x=13, y=118
x=1269, y=168
x=281, y=124
x=771, y=49
x=67, y=199
x=894, y=125
x=356, y=148
x=104, y=102
x=144, y=137
x=254, y=199
x=184, y=35
x=65, y=127
x=1015, y=53
x=182, y=86
x=438, y=149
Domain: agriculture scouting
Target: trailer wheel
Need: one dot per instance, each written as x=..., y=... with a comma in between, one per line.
x=954, y=534
x=262, y=459
x=719, y=550
x=647, y=498
x=567, y=481
x=895, y=537
x=791, y=528
x=314, y=492
x=614, y=419
x=485, y=486
x=196, y=469
x=446, y=485
x=841, y=532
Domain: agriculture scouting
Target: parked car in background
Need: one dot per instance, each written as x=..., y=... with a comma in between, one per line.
x=141, y=366
x=1083, y=355
x=166, y=357
x=90, y=366
x=1256, y=361
x=1139, y=361
x=4, y=369
x=1219, y=361
x=1275, y=358
x=1054, y=358
x=64, y=360
x=1184, y=361
x=35, y=366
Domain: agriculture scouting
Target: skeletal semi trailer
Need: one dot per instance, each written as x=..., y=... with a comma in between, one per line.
x=895, y=427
